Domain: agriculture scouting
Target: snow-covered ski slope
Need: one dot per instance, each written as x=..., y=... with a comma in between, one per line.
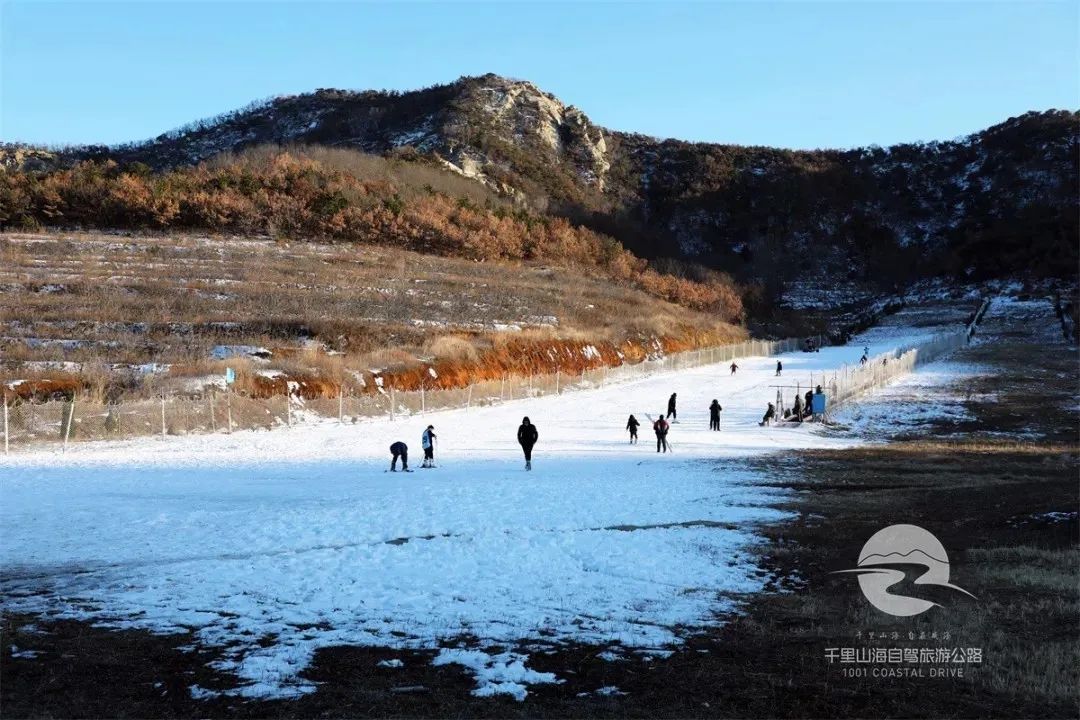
x=299, y=534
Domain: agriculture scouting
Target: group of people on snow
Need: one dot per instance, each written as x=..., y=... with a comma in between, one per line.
x=527, y=434
x=400, y=450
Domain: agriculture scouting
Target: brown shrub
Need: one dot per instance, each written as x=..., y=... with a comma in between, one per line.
x=326, y=194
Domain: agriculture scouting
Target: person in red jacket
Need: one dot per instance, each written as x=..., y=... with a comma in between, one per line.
x=661, y=427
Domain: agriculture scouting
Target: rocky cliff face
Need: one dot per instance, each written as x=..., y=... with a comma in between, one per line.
x=1000, y=202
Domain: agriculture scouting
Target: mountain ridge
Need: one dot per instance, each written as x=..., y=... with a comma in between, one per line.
x=1002, y=201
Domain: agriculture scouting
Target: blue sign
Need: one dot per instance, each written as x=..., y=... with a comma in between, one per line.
x=818, y=405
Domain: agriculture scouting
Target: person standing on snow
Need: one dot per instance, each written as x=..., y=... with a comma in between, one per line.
x=797, y=409
x=399, y=450
x=734, y=367
x=427, y=441
x=632, y=425
x=779, y=367
x=527, y=437
x=671, y=407
x=714, y=415
x=770, y=413
x=661, y=427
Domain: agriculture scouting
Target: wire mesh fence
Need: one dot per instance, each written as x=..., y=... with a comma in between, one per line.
x=849, y=381
x=218, y=411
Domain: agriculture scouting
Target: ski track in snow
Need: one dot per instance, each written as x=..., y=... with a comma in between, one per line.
x=301, y=535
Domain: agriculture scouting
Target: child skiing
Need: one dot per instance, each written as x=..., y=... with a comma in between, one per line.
x=399, y=450
x=661, y=427
x=632, y=425
x=427, y=441
x=527, y=436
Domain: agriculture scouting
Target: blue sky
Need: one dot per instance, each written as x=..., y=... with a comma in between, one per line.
x=792, y=74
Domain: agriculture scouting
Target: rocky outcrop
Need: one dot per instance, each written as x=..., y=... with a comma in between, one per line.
x=998, y=202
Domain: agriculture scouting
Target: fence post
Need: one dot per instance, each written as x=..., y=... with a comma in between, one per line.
x=162, y=414
x=393, y=402
x=5, y=424
x=468, y=400
x=288, y=407
x=341, y=404
x=423, y=401
x=71, y=419
x=556, y=381
x=213, y=420
x=228, y=406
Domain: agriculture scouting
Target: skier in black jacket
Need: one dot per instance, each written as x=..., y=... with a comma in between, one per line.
x=527, y=437
x=399, y=450
x=714, y=415
x=632, y=425
x=671, y=407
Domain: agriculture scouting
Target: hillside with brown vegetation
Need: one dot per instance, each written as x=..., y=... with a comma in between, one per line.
x=1001, y=202
x=342, y=196
x=127, y=314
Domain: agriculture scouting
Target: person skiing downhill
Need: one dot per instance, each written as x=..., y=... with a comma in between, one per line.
x=632, y=425
x=734, y=367
x=661, y=427
x=714, y=415
x=427, y=441
x=671, y=407
x=399, y=450
x=527, y=436
x=779, y=367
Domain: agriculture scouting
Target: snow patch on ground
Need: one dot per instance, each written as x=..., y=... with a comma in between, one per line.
x=497, y=674
x=911, y=402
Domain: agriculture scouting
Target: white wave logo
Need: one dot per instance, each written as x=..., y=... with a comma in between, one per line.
x=901, y=545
